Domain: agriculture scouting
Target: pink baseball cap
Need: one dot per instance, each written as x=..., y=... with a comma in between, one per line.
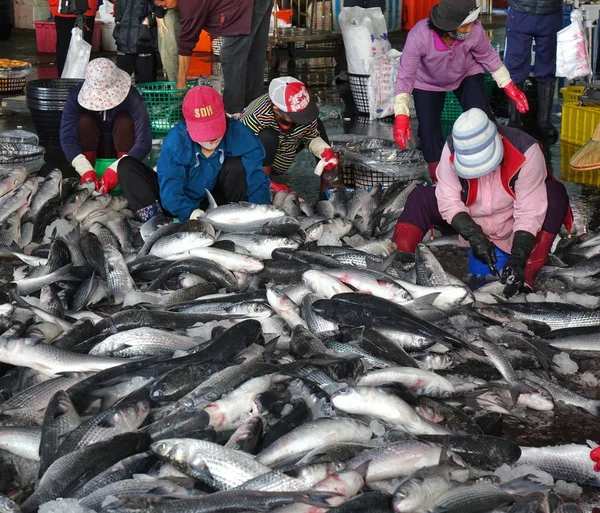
x=291, y=96
x=204, y=114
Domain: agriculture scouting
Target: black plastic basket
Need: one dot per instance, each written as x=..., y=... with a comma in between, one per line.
x=47, y=122
x=51, y=88
x=11, y=86
x=359, y=87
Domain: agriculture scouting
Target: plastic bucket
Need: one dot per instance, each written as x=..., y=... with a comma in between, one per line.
x=108, y=41
x=100, y=168
x=478, y=268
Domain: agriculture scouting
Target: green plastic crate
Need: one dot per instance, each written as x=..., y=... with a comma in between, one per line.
x=164, y=103
x=452, y=108
x=100, y=168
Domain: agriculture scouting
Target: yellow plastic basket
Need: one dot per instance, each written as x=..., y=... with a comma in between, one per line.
x=579, y=123
x=571, y=94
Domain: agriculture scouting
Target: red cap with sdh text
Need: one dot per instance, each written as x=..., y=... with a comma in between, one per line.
x=204, y=114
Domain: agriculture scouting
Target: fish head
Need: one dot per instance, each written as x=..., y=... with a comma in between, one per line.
x=346, y=398
x=167, y=449
x=409, y=496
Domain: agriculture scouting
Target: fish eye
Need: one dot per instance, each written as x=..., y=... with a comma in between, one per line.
x=400, y=492
x=161, y=447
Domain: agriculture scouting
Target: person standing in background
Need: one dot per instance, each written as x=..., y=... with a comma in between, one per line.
x=244, y=25
x=135, y=36
x=528, y=20
x=169, y=28
x=64, y=25
x=7, y=19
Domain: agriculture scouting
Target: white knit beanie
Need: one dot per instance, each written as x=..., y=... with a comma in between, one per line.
x=477, y=145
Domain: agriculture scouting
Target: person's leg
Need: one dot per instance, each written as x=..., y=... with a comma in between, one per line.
x=63, y=26
x=90, y=136
x=235, y=55
x=140, y=188
x=270, y=141
x=145, y=68
x=421, y=211
x=558, y=205
x=255, y=80
x=167, y=44
x=471, y=94
x=231, y=183
x=545, y=69
x=88, y=31
x=127, y=62
x=123, y=133
x=429, y=106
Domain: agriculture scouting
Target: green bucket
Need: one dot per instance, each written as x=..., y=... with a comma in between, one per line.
x=101, y=166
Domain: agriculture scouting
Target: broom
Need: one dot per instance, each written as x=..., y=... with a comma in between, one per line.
x=588, y=157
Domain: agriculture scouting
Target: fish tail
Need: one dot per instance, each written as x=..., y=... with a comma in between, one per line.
x=519, y=388
x=317, y=498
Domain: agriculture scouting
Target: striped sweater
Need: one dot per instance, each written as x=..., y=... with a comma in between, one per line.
x=259, y=115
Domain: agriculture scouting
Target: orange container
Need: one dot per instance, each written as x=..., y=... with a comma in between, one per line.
x=285, y=15
x=204, y=43
x=414, y=11
x=45, y=36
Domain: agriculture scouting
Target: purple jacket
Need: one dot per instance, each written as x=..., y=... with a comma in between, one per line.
x=427, y=63
x=217, y=17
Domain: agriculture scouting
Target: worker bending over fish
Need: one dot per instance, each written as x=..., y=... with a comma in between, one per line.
x=494, y=189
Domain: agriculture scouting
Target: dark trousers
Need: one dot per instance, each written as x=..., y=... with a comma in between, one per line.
x=243, y=60
x=430, y=104
x=141, y=189
x=64, y=25
x=269, y=138
x=422, y=210
x=521, y=30
x=91, y=137
x=144, y=66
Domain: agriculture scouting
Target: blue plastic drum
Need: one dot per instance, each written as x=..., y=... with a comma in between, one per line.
x=478, y=268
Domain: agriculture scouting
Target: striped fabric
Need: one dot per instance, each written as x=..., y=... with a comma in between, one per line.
x=259, y=115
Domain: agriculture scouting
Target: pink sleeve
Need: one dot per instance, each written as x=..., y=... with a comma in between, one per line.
x=448, y=189
x=409, y=62
x=531, y=202
x=483, y=51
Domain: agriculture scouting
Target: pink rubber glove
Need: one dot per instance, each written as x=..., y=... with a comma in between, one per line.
x=331, y=159
x=517, y=96
x=109, y=181
x=402, y=132
x=90, y=176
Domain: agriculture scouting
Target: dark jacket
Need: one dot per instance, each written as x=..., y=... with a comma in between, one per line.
x=130, y=34
x=536, y=6
x=133, y=105
x=184, y=173
x=217, y=17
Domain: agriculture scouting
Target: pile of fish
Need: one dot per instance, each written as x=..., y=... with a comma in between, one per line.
x=276, y=357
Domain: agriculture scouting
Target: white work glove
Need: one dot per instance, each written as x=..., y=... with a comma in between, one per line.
x=81, y=164
x=196, y=214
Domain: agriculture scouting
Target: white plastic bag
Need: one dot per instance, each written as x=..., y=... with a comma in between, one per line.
x=365, y=36
x=380, y=88
x=572, y=59
x=78, y=56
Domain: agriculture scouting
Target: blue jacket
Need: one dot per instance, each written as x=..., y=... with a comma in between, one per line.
x=133, y=105
x=184, y=172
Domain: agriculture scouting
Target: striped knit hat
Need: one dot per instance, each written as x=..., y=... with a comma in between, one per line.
x=477, y=145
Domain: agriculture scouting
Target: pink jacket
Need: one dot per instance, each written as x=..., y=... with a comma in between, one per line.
x=498, y=212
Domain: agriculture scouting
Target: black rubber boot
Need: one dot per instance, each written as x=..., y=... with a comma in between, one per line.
x=514, y=116
x=545, y=102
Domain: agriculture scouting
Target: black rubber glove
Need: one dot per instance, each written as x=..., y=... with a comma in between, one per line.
x=483, y=249
x=513, y=274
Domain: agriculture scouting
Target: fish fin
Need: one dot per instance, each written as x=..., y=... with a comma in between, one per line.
x=518, y=389
x=212, y=204
x=317, y=498
x=426, y=300
x=525, y=485
x=363, y=468
x=383, y=265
